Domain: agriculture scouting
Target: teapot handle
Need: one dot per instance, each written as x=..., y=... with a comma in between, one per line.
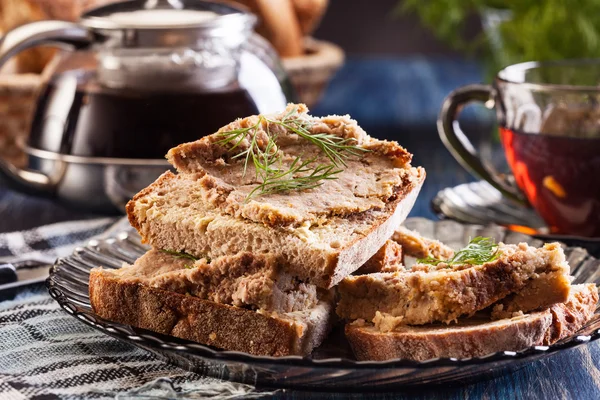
x=56, y=33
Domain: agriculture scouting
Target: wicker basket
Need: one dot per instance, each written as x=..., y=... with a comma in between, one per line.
x=18, y=95
x=67, y=10
x=310, y=73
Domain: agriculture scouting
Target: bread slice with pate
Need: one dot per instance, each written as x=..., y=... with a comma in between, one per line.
x=443, y=293
x=476, y=336
x=255, y=281
x=257, y=332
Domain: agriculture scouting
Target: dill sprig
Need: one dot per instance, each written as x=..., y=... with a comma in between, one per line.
x=285, y=180
x=262, y=159
x=181, y=254
x=336, y=148
x=267, y=162
x=480, y=250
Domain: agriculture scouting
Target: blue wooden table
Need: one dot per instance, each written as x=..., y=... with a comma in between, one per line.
x=391, y=110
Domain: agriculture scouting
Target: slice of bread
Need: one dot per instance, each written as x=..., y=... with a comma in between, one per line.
x=255, y=281
x=475, y=337
x=170, y=214
x=540, y=292
x=371, y=174
x=444, y=293
x=219, y=325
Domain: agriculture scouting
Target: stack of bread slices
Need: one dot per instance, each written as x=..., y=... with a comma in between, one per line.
x=520, y=299
x=255, y=255
x=240, y=263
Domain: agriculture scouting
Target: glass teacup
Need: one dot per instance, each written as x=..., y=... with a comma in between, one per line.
x=549, y=118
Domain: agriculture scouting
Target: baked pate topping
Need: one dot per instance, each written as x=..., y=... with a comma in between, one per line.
x=290, y=168
x=243, y=280
x=447, y=291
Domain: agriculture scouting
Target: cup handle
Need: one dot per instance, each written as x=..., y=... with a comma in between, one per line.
x=461, y=147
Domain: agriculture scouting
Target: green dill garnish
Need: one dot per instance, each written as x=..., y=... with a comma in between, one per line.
x=480, y=250
x=284, y=180
x=336, y=148
x=180, y=254
x=300, y=175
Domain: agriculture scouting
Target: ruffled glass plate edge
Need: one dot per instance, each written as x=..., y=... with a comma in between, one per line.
x=70, y=291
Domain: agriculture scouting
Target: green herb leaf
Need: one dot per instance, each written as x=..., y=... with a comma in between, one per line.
x=480, y=250
x=180, y=254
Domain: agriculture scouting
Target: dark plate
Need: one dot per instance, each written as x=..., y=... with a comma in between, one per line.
x=332, y=366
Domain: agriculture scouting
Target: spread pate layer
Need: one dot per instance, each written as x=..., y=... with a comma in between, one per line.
x=443, y=292
x=368, y=178
x=243, y=280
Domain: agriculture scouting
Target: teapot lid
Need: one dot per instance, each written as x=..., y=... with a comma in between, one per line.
x=167, y=23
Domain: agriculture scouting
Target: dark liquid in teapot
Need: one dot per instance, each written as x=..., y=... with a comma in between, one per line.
x=75, y=116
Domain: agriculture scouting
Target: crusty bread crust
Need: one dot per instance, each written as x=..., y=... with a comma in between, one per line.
x=206, y=322
x=477, y=338
x=433, y=341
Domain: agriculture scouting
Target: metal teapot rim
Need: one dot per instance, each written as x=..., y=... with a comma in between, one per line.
x=74, y=159
x=230, y=16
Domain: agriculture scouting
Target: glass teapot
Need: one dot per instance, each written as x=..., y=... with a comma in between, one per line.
x=145, y=76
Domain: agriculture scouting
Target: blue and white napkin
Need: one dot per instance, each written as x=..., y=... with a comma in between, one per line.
x=47, y=354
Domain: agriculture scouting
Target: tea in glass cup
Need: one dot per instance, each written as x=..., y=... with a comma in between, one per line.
x=549, y=117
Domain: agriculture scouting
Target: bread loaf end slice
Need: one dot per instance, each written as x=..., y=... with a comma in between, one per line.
x=219, y=325
x=444, y=292
x=475, y=337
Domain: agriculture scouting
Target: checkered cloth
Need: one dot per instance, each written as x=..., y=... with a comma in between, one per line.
x=47, y=354
x=46, y=243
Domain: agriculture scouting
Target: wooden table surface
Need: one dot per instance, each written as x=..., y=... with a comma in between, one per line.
x=573, y=374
